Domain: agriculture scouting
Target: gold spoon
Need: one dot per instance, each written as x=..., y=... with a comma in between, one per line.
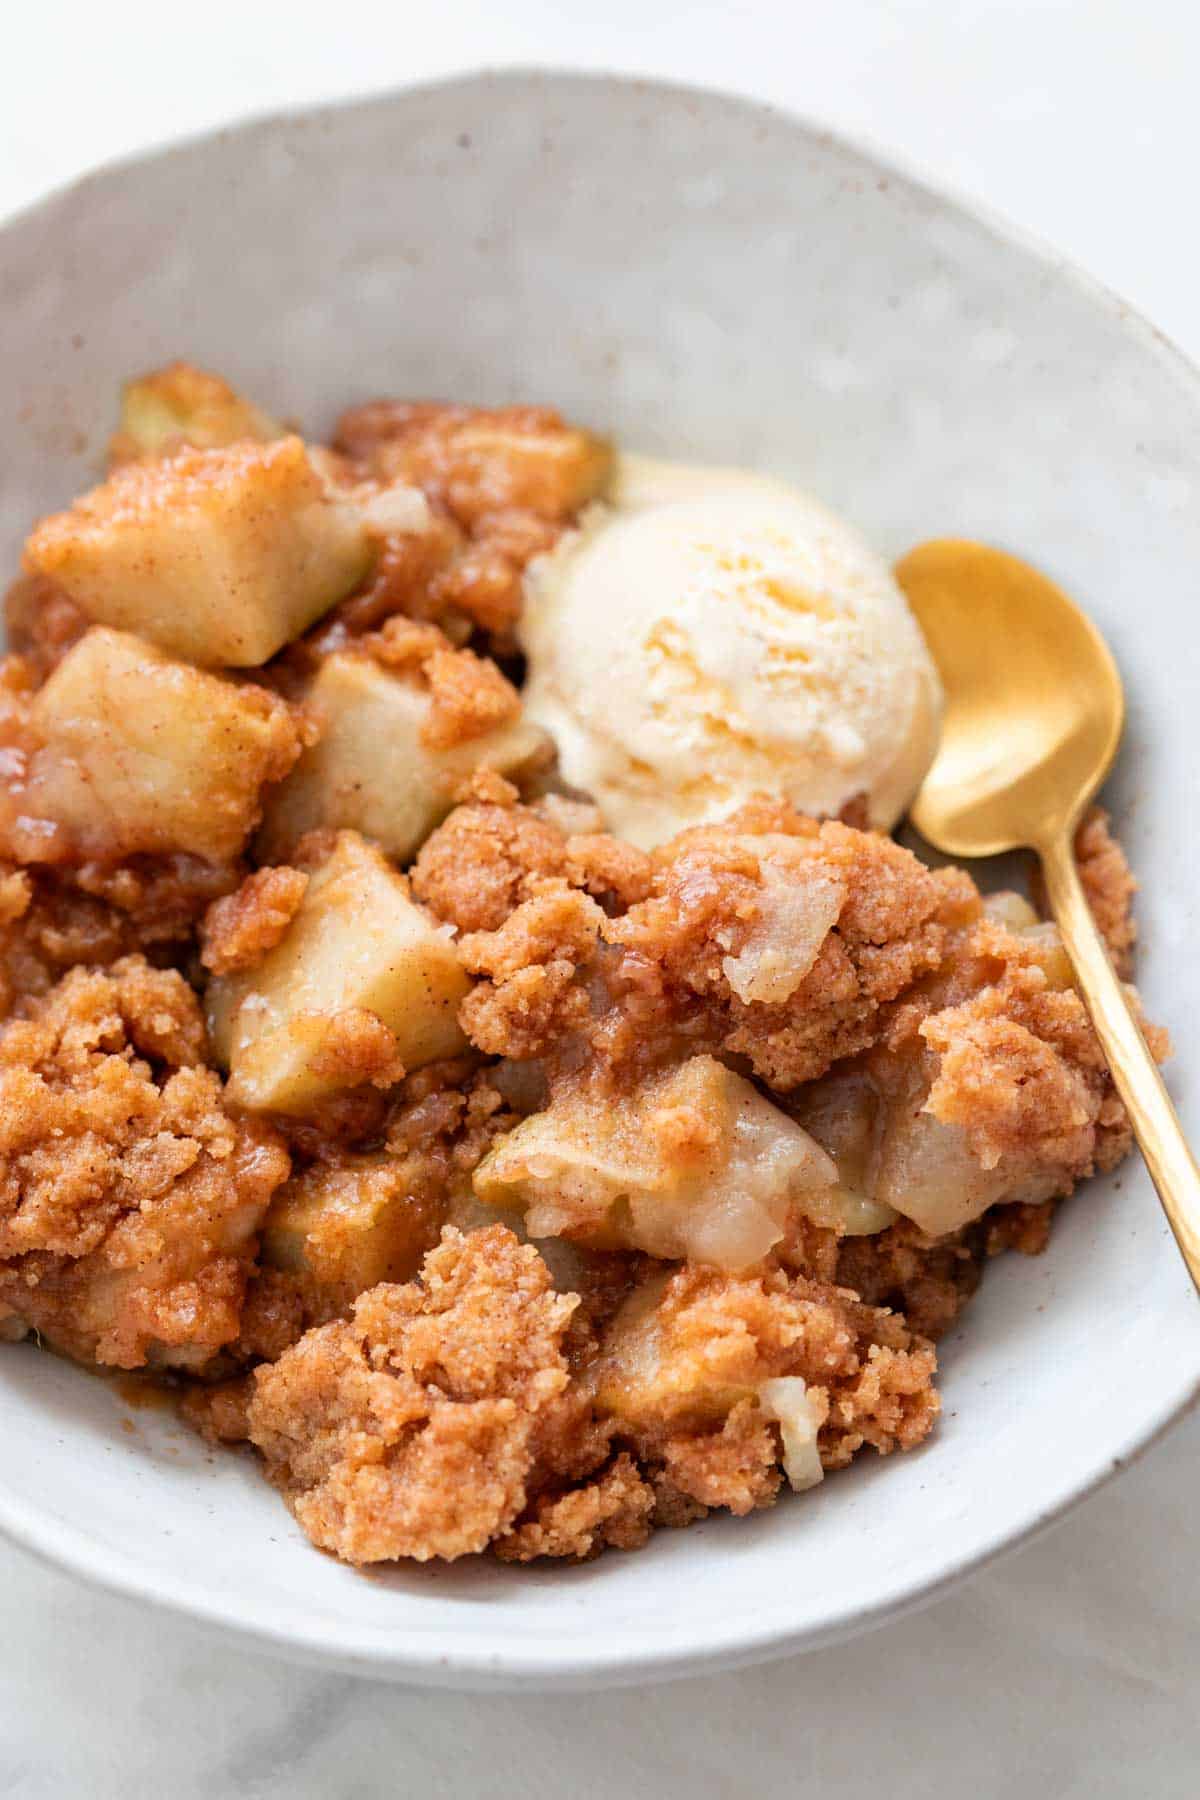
x=1034, y=711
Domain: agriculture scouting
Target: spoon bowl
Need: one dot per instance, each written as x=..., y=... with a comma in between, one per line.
x=1034, y=703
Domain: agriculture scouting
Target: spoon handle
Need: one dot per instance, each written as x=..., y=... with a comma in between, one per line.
x=1156, y=1126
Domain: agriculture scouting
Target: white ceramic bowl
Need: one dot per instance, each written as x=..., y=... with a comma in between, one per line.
x=706, y=279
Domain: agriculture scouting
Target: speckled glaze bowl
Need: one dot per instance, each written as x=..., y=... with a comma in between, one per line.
x=708, y=279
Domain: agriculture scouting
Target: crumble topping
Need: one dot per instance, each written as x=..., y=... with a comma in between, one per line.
x=527, y=1190
x=236, y=932
x=407, y=1430
x=129, y=1197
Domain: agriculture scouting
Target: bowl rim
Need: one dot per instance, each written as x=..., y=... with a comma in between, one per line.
x=565, y=1662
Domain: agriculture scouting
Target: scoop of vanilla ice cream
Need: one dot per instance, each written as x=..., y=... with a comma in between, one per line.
x=711, y=634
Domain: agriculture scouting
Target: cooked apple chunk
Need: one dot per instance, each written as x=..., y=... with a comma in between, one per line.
x=363, y=985
x=221, y=556
x=992, y=1090
x=894, y=1157
x=689, y=1345
x=694, y=1164
x=131, y=752
x=720, y=1377
x=374, y=769
x=533, y=462
x=341, y=1228
x=178, y=405
x=843, y=1113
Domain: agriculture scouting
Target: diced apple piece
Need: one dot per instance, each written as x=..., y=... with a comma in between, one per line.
x=633, y=1374
x=358, y=944
x=342, y=1228
x=894, y=1157
x=695, y=1164
x=137, y=753
x=1010, y=909
x=179, y=405
x=221, y=556
x=1045, y=941
x=371, y=772
x=928, y=1171
x=652, y=1370
x=680, y=1354
x=1039, y=935
x=844, y=1113
x=550, y=469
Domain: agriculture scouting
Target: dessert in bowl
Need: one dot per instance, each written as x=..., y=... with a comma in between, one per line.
x=472, y=1036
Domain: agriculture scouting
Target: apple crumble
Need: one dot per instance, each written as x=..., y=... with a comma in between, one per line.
x=515, y=1086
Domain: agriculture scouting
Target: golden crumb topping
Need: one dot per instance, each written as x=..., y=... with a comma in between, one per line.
x=1110, y=886
x=615, y=1510
x=237, y=931
x=407, y=1430
x=850, y=917
x=129, y=1198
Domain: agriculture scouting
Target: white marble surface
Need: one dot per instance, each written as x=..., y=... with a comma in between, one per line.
x=1070, y=1669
